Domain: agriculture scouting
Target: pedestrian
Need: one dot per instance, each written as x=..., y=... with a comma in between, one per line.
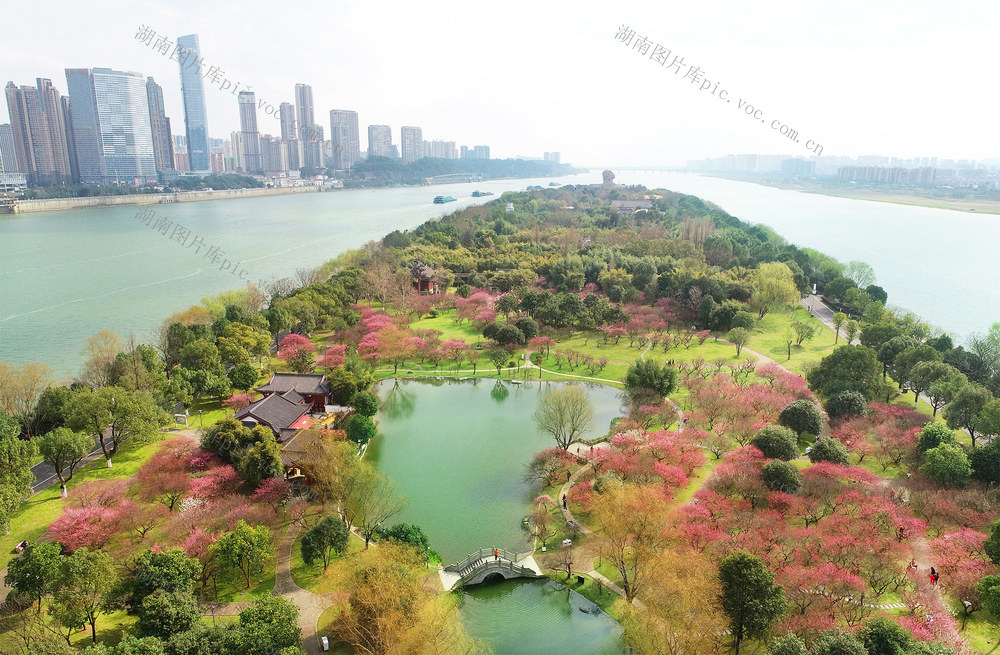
x=564, y=502
x=496, y=554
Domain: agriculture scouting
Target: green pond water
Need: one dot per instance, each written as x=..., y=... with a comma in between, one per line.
x=457, y=452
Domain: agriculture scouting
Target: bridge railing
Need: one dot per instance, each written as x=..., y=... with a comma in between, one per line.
x=485, y=553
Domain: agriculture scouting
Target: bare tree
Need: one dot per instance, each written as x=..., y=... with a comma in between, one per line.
x=20, y=387
x=565, y=413
x=309, y=276
x=102, y=349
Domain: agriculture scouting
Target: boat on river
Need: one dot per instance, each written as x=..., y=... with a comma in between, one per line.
x=440, y=200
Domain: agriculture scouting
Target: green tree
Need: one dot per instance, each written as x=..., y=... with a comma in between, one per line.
x=988, y=419
x=889, y=350
x=245, y=549
x=167, y=569
x=904, y=363
x=992, y=545
x=933, y=435
x=201, y=355
x=507, y=304
x=947, y=464
x=324, y=540
x=409, y=533
x=851, y=331
x=63, y=450
x=36, y=572
x=498, y=356
x=16, y=456
x=84, y=581
x=989, y=592
x=946, y=383
x=804, y=331
x=782, y=476
x=883, y=636
x=262, y=460
x=985, y=463
x=803, y=417
x=875, y=335
x=360, y=429
x=836, y=642
x=739, y=337
x=829, y=450
x=838, y=322
x=114, y=416
x=963, y=411
x=773, y=287
x=646, y=376
x=164, y=613
x=749, y=597
x=777, y=442
x=565, y=413
x=269, y=626
x=365, y=403
x=243, y=376
x=846, y=403
x=847, y=368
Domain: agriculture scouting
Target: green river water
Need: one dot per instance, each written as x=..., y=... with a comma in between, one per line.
x=457, y=451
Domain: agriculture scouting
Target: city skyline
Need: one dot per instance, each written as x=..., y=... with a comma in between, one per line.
x=826, y=82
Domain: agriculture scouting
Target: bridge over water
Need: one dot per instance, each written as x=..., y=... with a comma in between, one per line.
x=454, y=177
x=483, y=565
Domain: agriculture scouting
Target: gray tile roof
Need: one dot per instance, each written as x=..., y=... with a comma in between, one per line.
x=276, y=412
x=300, y=383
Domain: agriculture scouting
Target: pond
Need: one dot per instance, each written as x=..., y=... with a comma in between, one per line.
x=457, y=451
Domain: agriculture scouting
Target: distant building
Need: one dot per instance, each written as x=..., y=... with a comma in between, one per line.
x=345, y=138
x=797, y=168
x=286, y=116
x=379, y=141
x=8, y=152
x=181, y=162
x=249, y=137
x=193, y=92
x=110, y=124
x=630, y=206
x=411, y=143
x=38, y=127
x=551, y=156
x=481, y=152
x=163, y=147
x=309, y=133
x=273, y=154
x=440, y=149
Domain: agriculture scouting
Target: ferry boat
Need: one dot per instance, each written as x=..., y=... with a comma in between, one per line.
x=440, y=200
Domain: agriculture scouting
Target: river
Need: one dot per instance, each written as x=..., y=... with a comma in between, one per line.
x=66, y=275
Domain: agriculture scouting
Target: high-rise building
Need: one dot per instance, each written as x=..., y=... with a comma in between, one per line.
x=304, y=110
x=8, y=152
x=159, y=124
x=379, y=141
x=551, y=156
x=38, y=126
x=180, y=143
x=310, y=134
x=274, y=154
x=193, y=90
x=481, y=152
x=249, y=137
x=286, y=115
x=110, y=121
x=345, y=137
x=411, y=142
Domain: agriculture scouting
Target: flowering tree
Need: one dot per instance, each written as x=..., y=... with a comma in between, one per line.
x=87, y=527
x=237, y=401
x=334, y=357
x=297, y=351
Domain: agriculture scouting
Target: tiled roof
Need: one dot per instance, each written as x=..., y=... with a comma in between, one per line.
x=277, y=412
x=300, y=383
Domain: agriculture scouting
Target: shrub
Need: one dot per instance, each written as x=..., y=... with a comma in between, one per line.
x=782, y=476
x=947, y=464
x=743, y=320
x=788, y=644
x=883, y=636
x=933, y=435
x=846, y=403
x=802, y=416
x=777, y=442
x=164, y=613
x=360, y=429
x=829, y=450
x=365, y=403
x=647, y=374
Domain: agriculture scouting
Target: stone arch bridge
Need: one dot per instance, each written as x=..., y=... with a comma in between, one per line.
x=482, y=565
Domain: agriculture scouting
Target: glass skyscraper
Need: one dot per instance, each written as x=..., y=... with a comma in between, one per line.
x=110, y=122
x=193, y=90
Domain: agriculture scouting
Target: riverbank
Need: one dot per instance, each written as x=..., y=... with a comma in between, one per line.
x=977, y=206
x=139, y=199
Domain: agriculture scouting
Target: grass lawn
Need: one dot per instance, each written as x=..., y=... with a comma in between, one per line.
x=110, y=630
x=232, y=587
x=982, y=632
x=205, y=412
x=769, y=339
x=33, y=517
x=449, y=329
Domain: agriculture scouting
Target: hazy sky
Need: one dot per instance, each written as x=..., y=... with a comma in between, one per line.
x=859, y=77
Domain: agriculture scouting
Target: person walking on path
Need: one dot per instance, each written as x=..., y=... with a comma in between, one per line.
x=564, y=502
x=496, y=554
